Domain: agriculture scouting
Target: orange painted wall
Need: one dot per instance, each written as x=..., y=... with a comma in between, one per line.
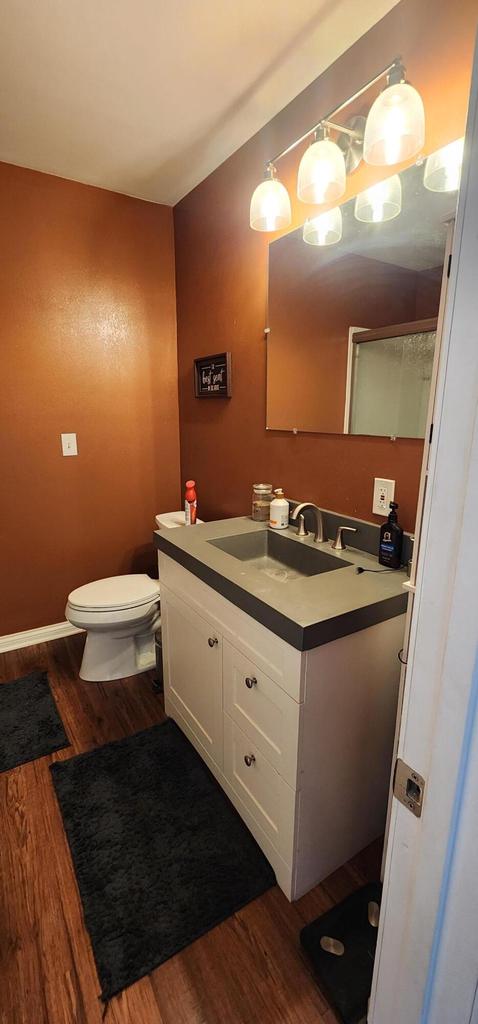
x=221, y=282
x=88, y=344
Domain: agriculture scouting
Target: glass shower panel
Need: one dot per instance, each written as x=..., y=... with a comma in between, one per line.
x=391, y=385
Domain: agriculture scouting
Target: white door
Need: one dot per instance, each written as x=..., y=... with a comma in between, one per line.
x=192, y=651
x=426, y=966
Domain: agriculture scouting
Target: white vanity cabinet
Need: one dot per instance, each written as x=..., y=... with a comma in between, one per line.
x=300, y=741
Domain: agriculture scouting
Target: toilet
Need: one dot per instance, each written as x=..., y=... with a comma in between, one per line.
x=121, y=615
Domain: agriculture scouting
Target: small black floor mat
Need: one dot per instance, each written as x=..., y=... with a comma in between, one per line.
x=159, y=852
x=30, y=725
x=346, y=979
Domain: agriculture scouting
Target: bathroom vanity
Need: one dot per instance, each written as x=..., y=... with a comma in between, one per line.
x=281, y=667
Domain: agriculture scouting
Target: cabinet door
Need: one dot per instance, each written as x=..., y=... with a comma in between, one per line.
x=192, y=652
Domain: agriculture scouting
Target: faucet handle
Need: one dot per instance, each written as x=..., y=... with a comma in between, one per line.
x=302, y=530
x=338, y=544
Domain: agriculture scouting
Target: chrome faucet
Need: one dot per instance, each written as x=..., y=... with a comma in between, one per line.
x=319, y=535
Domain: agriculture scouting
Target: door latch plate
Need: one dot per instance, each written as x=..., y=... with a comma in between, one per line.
x=408, y=787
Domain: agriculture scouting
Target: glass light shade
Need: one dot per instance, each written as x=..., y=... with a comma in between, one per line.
x=270, y=206
x=321, y=177
x=443, y=168
x=325, y=229
x=380, y=202
x=395, y=128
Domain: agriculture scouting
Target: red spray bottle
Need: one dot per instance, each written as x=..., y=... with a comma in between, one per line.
x=190, y=503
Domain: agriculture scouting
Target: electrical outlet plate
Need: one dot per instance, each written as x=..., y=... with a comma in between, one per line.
x=383, y=494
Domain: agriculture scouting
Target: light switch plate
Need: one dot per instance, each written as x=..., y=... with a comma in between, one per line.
x=383, y=494
x=68, y=444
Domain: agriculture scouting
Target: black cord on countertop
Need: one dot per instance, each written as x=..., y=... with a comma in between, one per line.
x=359, y=569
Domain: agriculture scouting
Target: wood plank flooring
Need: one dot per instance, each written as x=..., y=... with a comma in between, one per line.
x=248, y=970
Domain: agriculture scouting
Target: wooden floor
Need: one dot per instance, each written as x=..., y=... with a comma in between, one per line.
x=245, y=971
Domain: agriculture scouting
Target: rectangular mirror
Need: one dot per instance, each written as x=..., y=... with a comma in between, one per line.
x=353, y=324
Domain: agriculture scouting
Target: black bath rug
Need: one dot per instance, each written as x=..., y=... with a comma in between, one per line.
x=30, y=725
x=160, y=854
x=346, y=979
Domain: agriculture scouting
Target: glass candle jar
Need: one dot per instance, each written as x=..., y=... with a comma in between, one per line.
x=261, y=500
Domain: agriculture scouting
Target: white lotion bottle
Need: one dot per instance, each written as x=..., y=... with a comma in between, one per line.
x=279, y=511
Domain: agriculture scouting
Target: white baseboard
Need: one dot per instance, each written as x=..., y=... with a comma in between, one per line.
x=41, y=635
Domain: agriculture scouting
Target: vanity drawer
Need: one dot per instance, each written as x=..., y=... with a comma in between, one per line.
x=263, y=711
x=269, y=799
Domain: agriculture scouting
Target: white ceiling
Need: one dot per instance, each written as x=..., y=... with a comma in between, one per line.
x=147, y=97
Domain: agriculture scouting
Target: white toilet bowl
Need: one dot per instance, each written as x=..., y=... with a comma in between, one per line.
x=120, y=615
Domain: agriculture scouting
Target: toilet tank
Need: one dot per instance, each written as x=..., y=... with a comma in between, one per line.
x=168, y=520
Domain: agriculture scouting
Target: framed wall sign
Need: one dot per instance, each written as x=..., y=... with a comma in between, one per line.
x=212, y=376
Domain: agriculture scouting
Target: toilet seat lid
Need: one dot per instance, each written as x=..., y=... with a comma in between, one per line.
x=115, y=592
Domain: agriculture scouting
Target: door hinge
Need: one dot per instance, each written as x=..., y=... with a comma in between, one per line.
x=449, y=266
x=408, y=787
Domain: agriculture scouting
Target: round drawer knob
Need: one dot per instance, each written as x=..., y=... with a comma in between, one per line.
x=249, y=759
x=250, y=682
x=213, y=641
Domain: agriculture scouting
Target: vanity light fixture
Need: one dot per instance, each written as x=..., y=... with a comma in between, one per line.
x=325, y=229
x=380, y=202
x=395, y=128
x=321, y=177
x=393, y=132
x=270, y=204
x=443, y=168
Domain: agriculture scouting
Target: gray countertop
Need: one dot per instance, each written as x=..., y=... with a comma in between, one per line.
x=305, y=612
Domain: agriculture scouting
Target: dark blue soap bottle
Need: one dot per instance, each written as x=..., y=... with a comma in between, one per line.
x=391, y=538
